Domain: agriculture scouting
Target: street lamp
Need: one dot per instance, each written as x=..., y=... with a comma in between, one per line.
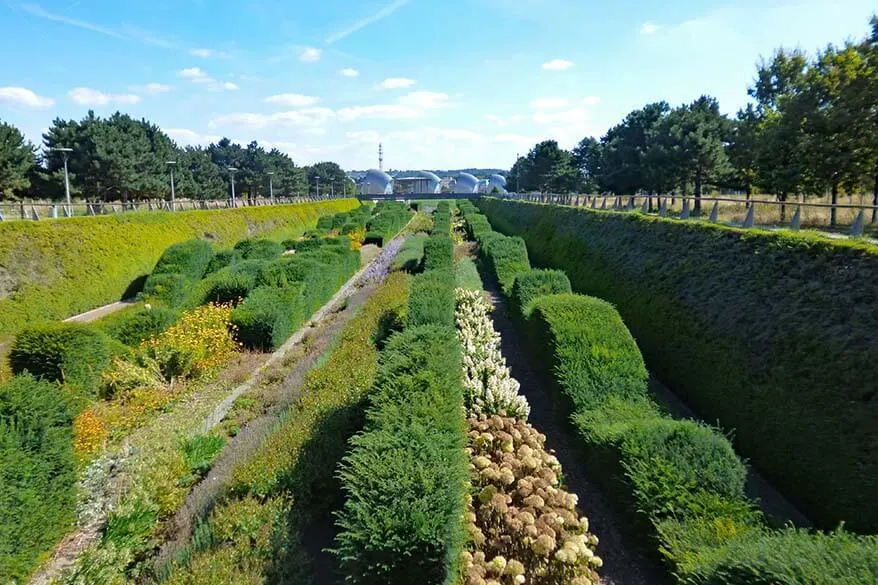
x=318, y=187
x=332, y=189
x=270, y=187
x=518, y=174
x=65, y=152
x=232, y=171
x=171, y=164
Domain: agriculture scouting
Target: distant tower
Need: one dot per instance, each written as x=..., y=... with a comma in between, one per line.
x=380, y=157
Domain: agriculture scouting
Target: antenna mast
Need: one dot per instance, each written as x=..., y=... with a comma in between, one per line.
x=380, y=157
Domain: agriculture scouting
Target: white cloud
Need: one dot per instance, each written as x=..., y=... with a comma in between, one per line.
x=349, y=72
x=199, y=76
x=557, y=65
x=315, y=131
x=425, y=99
x=186, y=137
x=397, y=83
x=154, y=88
x=203, y=53
x=379, y=112
x=310, y=54
x=85, y=96
x=364, y=22
x=572, y=116
x=293, y=100
x=504, y=121
x=592, y=100
x=549, y=103
x=21, y=96
x=304, y=117
x=649, y=28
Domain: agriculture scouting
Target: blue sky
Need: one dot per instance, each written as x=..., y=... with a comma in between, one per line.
x=444, y=84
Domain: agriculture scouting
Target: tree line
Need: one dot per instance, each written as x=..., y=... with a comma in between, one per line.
x=120, y=158
x=811, y=128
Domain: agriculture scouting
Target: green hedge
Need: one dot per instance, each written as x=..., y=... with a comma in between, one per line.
x=72, y=353
x=325, y=222
x=438, y=253
x=131, y=327
x=388, y=219
x=466, y=275
x=227, y=285
x=37, y=474
x=54, y=269
x=259, y=249
x=537, y=283
x=773, y=334
x=178, y=268
x=506, y=257
x=432, y=299
x=405, y=477
x=411, y=255
x=269, y=316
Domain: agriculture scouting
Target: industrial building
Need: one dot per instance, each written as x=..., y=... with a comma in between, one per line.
x=419, y=182
x=466, y=183
x=376, y=182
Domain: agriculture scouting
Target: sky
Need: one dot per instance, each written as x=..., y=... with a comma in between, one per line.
x=443, y=84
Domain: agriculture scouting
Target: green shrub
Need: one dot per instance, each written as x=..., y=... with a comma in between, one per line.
x=189, y=259
x=37, y=473
x=269, y=316
x=438, y=253
x=200, y=452
x=222, y=259
x=92, y=261
x=466, y=275
x=325, y=223
x=763, y=312
x=228, y=285
x=339, y=219
x=411, y=254
x=405, y=476
x=259, y=249
x=507, y=258
x=375, y=238
x=537, y=283
x=132, y=327
x=432, y=299
x=350, y=228
x=477, y=226
x=72, y=353
x=173, y=289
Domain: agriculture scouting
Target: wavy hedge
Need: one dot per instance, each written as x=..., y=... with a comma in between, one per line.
x=405, y=477
x=774, y=334
x=54, y=269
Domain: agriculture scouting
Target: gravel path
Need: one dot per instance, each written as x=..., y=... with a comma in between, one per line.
x=623, y=564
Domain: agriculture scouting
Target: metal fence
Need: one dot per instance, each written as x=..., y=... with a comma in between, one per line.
x=35, y=211
x=843, y=218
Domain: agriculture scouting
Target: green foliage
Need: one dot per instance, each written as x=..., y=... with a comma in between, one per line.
x=325, y=222
x=432, y=300
x=227, y=285
x=411, y=254
x=438, y=253
x=64, y=352
x=37, y=473
x=132, y=327
x=17, y=162
x=189, y=259
x=763, y=340
x=507, y=258
x=375, y=238
x=442, y=219
x=269, y=316
x=200, y=452
x=222, y=259
x=405, y=477
x=259, y=249
x=388, y=219
x=466, y=275
x=90, y=261
x=531, y=285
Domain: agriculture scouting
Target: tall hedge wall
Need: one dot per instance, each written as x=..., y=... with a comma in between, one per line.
x=773, y=334
x=54, y=269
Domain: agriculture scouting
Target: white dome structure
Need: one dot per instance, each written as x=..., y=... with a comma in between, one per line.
x=466, y=183
x=497, y=182
x=376, y=183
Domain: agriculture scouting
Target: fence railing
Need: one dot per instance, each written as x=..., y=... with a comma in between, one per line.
x=851, y=218
x=35, y=211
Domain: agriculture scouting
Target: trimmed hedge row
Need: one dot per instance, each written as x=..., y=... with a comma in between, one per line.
x=537, y=283
x=411, y=255
x=783, y=326
x=37, y=473
x=406, y=475
x=442, y=219
x=438, y=253
x=388, y=219
x=432, y=299
x=53, y=269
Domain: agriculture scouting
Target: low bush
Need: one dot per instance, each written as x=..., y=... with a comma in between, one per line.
x=405, y=476
x=189, y=259
x=339, y=219
x=438, y=253
x=37, y=473
x=442, y=220
x=325, y=223
x=528, y=286
x=477, y=226
x=269, y=315
x=133, y=326
x=200, y=452
x=411, y=254
x=756, y=356
x=388, y=219
x=432, y=299
x=507, y=258
x=222, y=259
x=259, y=249
x=229, y=285
x=466, y=275
x=374, y=238
x=72, y=353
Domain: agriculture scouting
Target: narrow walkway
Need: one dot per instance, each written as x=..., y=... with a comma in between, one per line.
x=623, y=564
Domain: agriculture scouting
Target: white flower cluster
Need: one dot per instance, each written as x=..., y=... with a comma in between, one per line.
x=489, y=389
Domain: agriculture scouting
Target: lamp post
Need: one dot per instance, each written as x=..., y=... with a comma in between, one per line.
x=332, y=189
x=270, y=187
x=65, y=152
x=171, y=164
x=518, y=174
x=318, y=186
x=232, y=171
